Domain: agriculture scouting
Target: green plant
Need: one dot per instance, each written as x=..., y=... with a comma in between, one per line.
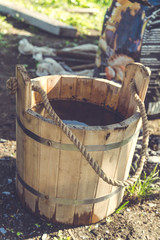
x=49, y=224
x=144, y=186
x=25, y=65
x=19, y=234
x=122, y=207
x=18, y=18
x=10, y=230
x=4, y=25
x=90, y=228
x=37, y=225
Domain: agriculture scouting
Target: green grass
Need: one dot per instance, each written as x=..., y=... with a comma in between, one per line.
x=4, y=28
x=58, y=10
x=19, y=234
x=144, y=187
x=122, y=207
x=4, y=25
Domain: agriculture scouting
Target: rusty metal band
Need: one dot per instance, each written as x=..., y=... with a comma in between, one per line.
x=67, y=201
x=72, y=147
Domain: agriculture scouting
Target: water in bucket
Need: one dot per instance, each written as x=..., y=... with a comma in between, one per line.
x=81, y=113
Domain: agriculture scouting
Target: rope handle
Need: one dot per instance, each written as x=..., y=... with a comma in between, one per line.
x=12, y=85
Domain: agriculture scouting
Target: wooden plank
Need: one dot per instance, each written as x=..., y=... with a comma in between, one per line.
x=83, y=90
x=72, y=61
x=83, y=67
x=137, y=71
x=76, y=54
x=68, y=179
x=48, y=170
x=88, y=179
x=114, y=99
x=53, y=86
x=133, y=129
x=38, y=20
x=142, y=77
x=19, y=159
x=109, y=166
x=23, y=101
x=27, y=150
x=84, y=10
x=31, y=161
x=68, y=87
x=124, y=163
x=99, y=92
x=23, y=96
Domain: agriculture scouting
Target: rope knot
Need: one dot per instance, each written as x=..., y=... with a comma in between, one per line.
x=12, y=84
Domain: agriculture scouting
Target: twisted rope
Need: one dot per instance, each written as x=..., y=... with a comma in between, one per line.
x=82, y=148
x=12, y=84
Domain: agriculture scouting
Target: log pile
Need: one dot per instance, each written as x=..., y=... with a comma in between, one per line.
x=77, y=60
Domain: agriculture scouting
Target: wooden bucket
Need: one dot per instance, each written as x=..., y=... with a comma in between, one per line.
x=53, y=179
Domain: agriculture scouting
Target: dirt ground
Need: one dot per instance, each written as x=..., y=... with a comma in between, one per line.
x=136, y=221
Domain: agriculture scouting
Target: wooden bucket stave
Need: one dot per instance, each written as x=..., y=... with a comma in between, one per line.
x=53, y=178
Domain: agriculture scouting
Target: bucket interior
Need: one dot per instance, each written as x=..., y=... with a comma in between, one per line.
x=80, y=101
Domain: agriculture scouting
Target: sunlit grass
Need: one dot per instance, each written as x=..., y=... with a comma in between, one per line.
x=59, y=10
x=144, y=186
x=4, y=25
x=4, y=28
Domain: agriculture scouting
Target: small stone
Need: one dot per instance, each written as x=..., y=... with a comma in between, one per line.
x=154, y=159
x=97, y=225
x=157, y=213
x=152, y=204
x=9, y=180
x=2, y=140
x=6, y=193
x=3, y=230
x=83, y=236
x=45, y=236
x=138, y=146
x=153, y=153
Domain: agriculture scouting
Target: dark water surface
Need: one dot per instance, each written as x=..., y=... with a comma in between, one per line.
x=81, y=113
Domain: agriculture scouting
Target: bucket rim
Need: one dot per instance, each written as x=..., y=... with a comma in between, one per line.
x=113, y=83
x=121, y=125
